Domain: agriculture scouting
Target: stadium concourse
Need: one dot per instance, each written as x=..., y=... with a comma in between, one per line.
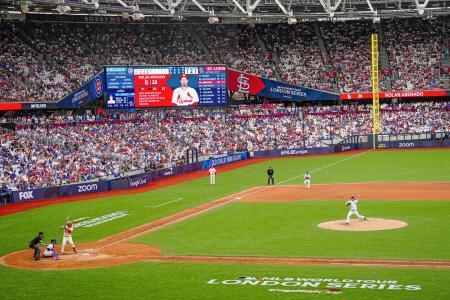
x=55, y=149
x=45, y=61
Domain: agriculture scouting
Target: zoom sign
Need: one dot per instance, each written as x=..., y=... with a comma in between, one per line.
x=87, y=188
x=406, y=145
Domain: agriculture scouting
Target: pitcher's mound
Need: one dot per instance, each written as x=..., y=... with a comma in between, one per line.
x=373, y=224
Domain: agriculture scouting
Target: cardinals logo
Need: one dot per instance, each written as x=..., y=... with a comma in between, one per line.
x=98, y=87
x=243, y=84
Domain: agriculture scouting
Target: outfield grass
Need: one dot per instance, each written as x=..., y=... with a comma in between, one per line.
x=176, y=281
x=189, y=281
x=290, y=229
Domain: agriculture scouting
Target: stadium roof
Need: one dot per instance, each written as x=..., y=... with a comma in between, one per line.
x=230, y=11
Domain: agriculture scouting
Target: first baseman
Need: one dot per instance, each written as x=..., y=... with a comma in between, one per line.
x=307, y=181
x=212, y=175
x=68, y=229
x=353, y=209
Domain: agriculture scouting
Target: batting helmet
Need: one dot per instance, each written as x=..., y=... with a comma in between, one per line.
x=53, y=241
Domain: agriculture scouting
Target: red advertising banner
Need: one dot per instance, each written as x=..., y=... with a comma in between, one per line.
x=254, y=85
x=244, y=82
x=445, y=71
x=10, y=106
x=384, y=95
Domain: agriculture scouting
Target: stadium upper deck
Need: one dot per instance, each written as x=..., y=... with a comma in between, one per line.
x=45, y=61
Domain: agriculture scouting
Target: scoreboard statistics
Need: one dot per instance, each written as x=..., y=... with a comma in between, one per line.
x=160, y=86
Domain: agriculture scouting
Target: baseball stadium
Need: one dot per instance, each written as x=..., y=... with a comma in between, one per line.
x=225, y=149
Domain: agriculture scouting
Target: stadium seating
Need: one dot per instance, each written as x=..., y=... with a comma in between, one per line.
x=44, y=62
x=53, y=150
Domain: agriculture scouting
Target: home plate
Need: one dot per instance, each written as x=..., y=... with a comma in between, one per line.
x=238, y=198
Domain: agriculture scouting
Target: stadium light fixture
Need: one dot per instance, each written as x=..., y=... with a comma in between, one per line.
x=213, y=20
x=25, y=8
x=95, y=3
x=292, y=21
x=62, y=9
x=137, y=16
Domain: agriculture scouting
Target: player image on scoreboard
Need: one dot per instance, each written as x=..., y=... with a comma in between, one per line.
x=184, y=95
x=111, y=100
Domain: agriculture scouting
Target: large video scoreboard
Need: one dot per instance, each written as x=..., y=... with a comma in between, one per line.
x=156, y=86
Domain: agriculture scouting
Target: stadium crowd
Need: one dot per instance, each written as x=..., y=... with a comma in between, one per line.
x=51, y=59
x=59, y=149
x=415, y=51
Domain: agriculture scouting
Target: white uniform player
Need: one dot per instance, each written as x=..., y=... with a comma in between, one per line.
x=212, y=175
x=50, y=250
x=68, y=229
x=353, y=209
x=307, y=181
x=184, y=95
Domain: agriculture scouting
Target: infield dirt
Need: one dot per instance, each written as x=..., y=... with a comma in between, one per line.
x=116, y=249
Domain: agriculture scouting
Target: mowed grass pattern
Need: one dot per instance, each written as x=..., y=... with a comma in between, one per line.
x=290, y=230
x=232, y=224
x=189, y=281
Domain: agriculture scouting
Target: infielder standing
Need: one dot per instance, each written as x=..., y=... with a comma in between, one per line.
x=212, y=175
x=307, y=181
x=68, y=229
x=353, y=209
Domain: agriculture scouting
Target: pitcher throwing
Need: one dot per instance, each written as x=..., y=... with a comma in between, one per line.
x=353, y=209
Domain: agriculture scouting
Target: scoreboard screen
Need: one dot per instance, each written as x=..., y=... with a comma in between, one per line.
x=159, y=86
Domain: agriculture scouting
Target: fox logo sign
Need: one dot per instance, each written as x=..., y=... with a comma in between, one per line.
x=26, y=195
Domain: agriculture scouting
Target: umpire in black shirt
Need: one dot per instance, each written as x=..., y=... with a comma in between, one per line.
x=34, y=244
x=270, y=174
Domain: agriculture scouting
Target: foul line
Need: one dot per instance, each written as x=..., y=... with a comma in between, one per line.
x=233, y=198
x=182, y=218
x=178, y=199
x=313, y=171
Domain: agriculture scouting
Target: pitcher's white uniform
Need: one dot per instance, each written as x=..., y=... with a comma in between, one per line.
x=307, y=181
x=68, y=229
x=353, y=209
x=212, y=175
